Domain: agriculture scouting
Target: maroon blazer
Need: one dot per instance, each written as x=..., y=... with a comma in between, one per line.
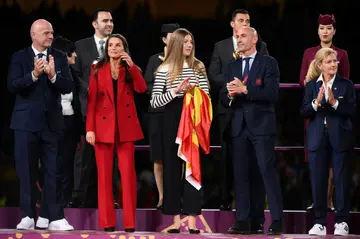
x=101, y=115
x=309, y=55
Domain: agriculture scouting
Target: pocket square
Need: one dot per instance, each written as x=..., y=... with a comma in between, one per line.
x=58, y=72
x=258, y=81
x=340, y=97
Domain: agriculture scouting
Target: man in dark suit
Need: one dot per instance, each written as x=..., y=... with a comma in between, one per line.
x=88, y=50
x=38, y=75
x=222, y=55
x=251, y=90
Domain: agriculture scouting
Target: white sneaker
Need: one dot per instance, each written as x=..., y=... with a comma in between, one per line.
x=26, y=223
x=341, y=229
x=317, y=230
x=42, y=223
x=60, y=225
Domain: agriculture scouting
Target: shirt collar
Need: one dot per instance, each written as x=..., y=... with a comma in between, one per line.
x=37, y=52
x=97, y=39
x=329, y=83
x=252, y=56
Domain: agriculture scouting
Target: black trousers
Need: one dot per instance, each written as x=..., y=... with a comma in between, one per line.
x=180, y=197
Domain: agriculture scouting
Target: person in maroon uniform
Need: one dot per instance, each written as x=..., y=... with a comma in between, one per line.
x=326, y=31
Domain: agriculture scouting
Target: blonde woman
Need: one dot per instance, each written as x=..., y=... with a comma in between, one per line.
x=329, y=103
x=179, y=71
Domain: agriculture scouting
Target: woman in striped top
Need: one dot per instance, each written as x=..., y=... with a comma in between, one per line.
x=179, y=72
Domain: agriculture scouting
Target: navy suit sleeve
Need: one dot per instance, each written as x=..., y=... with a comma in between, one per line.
x=307, y=110
x=63, y=82
x=347, y=107
x=17, y=79
x=270, y=91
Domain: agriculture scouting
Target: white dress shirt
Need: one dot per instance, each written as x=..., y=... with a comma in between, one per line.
x=45, y=59
x=326, y=85
x=98, y=45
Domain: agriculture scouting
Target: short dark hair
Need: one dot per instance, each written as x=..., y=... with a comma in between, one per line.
x=96, y=13
x=63, y=44
x=238, y=11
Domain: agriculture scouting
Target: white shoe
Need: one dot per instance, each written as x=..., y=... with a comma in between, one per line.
x=60, y=225
x=317, y=230
x=341, y=229
x=26, y=223
x=42, y=223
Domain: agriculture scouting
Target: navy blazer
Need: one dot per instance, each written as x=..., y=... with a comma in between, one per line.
x=338, y=121
x=257, y=106
x=37, y=104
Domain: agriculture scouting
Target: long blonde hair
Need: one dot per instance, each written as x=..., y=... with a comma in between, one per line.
x=174, y=56
x=314, y=72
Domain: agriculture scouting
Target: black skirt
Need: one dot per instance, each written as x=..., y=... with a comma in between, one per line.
x=156, y=126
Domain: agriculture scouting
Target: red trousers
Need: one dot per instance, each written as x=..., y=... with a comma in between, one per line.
x=104, y=160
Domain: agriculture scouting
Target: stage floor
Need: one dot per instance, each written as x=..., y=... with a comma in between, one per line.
x=37, y=234
x=211, y=221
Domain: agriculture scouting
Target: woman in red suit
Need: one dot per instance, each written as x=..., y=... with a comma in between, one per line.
x=112, y=123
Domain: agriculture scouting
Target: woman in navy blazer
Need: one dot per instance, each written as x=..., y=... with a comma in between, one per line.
x=329, y=103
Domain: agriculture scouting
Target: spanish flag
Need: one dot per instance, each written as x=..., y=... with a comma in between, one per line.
x=194, y=132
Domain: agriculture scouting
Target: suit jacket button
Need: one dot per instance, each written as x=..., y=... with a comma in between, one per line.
x=104, y=117
x=127, y=105
x=104, y=106
x=129, y=116
x=102, y=93
x=127, y=92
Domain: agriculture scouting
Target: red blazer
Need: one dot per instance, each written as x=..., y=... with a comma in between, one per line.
x=309, y=55
x=101, y=115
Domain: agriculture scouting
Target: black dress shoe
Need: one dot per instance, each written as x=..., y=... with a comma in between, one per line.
x=116, y=205
x=109, y=229
x=276, y=228
x=257, y=228
x=194, y=231
x=75, y=203
x=129, y=229
x=240, y=227
x=174, y=230
x=225, y=207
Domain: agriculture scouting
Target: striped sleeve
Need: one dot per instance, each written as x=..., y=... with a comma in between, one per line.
x=203, y=82
x=158, y=97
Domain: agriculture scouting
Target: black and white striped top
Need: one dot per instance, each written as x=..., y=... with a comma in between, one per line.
x=159, y=98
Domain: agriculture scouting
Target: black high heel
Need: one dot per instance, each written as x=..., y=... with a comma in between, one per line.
x=109, y=229
x=174, y=230
x=194, y=231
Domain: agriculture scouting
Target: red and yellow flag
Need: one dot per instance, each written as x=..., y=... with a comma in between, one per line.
x=194, y=132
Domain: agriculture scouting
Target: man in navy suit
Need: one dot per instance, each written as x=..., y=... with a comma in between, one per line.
x=329, y=104
x=38, y=75
x=251, y=91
